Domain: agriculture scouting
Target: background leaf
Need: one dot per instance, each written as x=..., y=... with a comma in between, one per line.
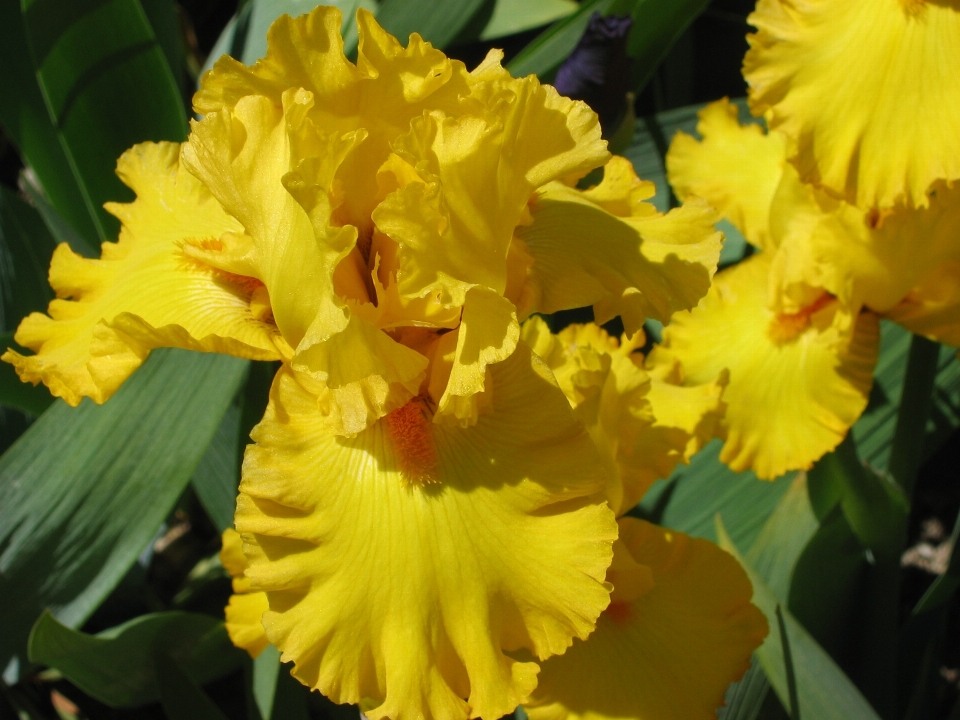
x=105, y=84
x=437, y=21
x=824, y=692
x=217, y=476
x=544, y=55
x=656, y=27
x=124, y=666
x=26, y=246
x=515, y=16
x=180, y=696
x=84, y=490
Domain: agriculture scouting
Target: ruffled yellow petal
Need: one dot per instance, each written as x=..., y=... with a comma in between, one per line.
x=606, y=390
x=243, y=622
x=389, y=86
x=479, y=171
x=380, y=199
x=736, y=168
x=643, y=425
x=668, y=654
x=875, y=136
x=640, y=266
x=244, y=609
x=876, y=258
x=144, y=292
x=359, y=375
x=233, y=559
x=488, y=334
x=400, y=564
x=932, y=309
x=797, y=382
x=275, y=171
x=272, y=169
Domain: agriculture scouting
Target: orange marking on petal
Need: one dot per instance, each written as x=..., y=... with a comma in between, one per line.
x=412, y=435
x=786, y=327
x=247, y=284
x=211, y=244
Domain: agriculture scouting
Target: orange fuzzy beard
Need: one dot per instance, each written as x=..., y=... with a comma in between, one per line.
x=413, y=441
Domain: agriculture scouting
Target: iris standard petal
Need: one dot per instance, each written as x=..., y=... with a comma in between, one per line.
x=644, y=265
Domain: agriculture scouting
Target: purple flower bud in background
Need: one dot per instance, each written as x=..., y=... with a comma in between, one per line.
x=598, y=70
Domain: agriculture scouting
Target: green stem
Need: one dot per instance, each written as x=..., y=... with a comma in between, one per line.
x=906, y=453
x=877, y=675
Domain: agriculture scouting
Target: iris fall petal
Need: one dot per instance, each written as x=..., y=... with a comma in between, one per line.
x=353, y=540
x=877, y=136
x=797, y=382
x=144, y=291
x=666, y=652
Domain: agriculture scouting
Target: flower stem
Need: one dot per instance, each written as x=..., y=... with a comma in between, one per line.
x=906, y=452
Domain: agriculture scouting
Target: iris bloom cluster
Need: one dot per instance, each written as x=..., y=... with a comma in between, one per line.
x=850, y=198
x=429, y=509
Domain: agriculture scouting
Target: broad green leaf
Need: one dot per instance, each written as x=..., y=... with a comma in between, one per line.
x=548, y=50
x=59, y=228
x=916, y=401
x=106, y=85
x=122, y=667
x=266, y=667
x=218, y=474
x=656, y=27
x=164, y=19
x=179, y=694
x=697, y=492
x=825, y=589
x=27, y=123
x=783, y=538
x=873, y=504
x=437, y=21
x=290, y=700
x=84, y=490
x=25, y=250
x=744, y=699
x=514, y=16
x=823, y=691
x=15, y=393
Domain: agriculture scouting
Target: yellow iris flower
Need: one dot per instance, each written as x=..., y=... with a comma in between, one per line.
x=797, y=324
x=680, y=626
x=875, y=137
x=421, y=499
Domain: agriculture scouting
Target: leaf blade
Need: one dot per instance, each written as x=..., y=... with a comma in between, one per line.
x=83, y=491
